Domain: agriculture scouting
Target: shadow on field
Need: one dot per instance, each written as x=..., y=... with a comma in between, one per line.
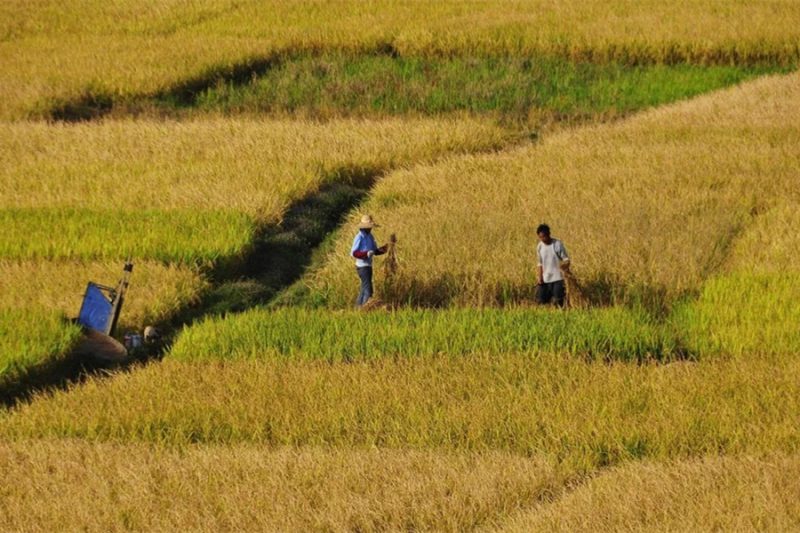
x=61, y=373
x=281, y=254
x=97, y=102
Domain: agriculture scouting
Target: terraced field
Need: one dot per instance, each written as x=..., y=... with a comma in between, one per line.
x=231, y=147
x=674, y=188
x=183, y=199
x=54, y=53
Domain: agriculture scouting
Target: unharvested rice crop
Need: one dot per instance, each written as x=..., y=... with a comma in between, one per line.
x=56, y=485
x=181, y=198
x=54, y=52
x=29, y=339
x=770, y=244
x=754, y=305
x=252, y=166
x=352, y=336
x=583, y=415
x=709, y=494
x=191, y=191
x=524, y=92
x=156, y=290
x=741, y=314
x=648, y=208
x=183, y=236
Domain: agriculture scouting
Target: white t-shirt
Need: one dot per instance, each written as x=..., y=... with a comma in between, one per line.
x=550, y=258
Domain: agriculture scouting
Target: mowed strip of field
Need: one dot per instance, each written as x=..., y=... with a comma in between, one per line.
x=180, y=198
x=54, y=53
x=709, y=494
x=649, y=207
x=71, y=484
x=582, y=414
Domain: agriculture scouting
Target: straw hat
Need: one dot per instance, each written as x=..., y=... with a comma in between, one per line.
x=367, y=223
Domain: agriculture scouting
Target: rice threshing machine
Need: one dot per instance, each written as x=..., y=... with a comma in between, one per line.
x=102, y=304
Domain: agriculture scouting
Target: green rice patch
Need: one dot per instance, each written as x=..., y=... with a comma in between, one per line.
x=613, y=333
x=166, y=235
x=744, y=314
x=32, y=338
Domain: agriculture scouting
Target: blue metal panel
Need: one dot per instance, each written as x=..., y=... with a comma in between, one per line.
x=95, y=309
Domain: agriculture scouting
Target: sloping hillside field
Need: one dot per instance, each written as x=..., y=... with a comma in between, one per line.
x=183, y=199
x=230, y=150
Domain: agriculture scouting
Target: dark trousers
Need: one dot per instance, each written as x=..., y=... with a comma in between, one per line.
x=554, y=293
x=365, y=274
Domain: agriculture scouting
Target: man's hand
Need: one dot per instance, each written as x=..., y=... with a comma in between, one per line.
x=540, y=281
x=370, y=254
x=383, y=248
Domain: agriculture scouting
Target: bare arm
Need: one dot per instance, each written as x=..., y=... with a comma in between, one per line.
x=539, y=268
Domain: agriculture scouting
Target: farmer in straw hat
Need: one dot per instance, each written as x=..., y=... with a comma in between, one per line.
x=553, y=259
x=364, y=248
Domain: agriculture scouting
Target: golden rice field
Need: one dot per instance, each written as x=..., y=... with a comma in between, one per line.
x=141, y=487
x=582, y=415
x=179, y=197
x=660, y=202
x=157, y=291
x=53, y=52
x=248, y=488
x=670, y=403
x=709, y=494
x=257, y=167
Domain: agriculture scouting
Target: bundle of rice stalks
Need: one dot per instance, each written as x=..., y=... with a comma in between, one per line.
x=576, y=299
x=390, y=263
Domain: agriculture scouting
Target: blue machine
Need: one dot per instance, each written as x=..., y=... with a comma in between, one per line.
x=102, y=305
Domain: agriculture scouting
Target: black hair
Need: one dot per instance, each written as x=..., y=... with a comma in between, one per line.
x=543, y=228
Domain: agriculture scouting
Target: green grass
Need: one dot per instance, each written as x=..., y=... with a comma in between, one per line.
x=189, y=236
x=614, y=333
x=741, y=314
x=514, y=88
x=32, y=338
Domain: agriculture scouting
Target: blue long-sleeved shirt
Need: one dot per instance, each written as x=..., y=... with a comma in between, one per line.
x=364, y=242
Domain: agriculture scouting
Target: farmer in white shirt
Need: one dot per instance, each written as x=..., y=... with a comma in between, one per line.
x=552, y=259
x=363, y=249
